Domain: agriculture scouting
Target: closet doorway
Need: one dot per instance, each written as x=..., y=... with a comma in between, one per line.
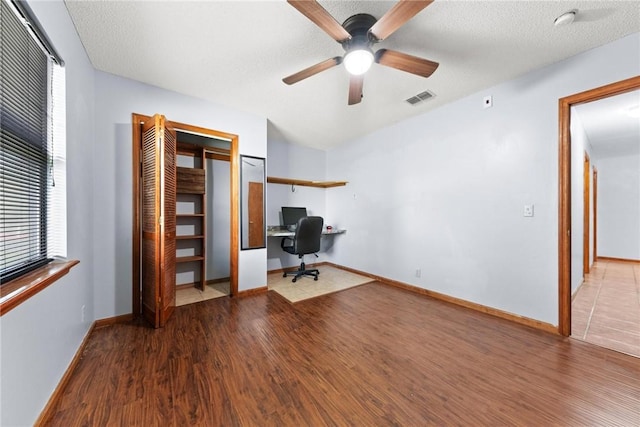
x=154, y=296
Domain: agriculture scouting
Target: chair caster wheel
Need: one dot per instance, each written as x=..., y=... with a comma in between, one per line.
x=294, y=280
x=315, y=278
x=284, y=275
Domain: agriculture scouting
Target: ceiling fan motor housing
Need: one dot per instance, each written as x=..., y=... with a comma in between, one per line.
x=358, y=26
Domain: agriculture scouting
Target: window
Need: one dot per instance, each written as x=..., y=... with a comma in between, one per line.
x=32, y=145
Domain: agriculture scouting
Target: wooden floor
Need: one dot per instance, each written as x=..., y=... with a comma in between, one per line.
x=371, y=355
x=606, y=309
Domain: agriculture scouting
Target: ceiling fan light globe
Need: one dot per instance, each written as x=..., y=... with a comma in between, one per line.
x=358, y=61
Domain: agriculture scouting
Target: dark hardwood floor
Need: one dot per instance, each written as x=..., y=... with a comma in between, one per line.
x=371, y=355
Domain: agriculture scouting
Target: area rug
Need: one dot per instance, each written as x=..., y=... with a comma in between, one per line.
x=331, y=280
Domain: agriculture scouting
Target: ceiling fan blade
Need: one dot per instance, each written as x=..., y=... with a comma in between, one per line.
x=355, y=89
x=319, y=16
x=314, y=69
x=400, y=13
x=405, y=62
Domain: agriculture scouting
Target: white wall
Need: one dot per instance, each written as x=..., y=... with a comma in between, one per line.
x=294, y=161
x=444, y=192
x=116, y=99
x=218, y=219
x=579, y=145
x=218, y=225
x=619, y=207
x=40, y=337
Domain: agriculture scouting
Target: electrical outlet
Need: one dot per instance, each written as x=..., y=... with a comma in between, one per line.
x=418, y=273
x=487, y=101
x=528, y=210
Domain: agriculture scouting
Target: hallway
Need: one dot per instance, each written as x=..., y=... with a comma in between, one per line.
x=606, y=309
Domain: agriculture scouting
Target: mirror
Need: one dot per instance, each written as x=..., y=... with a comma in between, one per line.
x=252, y=207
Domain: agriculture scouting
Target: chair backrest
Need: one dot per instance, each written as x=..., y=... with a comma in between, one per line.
x=308, y=233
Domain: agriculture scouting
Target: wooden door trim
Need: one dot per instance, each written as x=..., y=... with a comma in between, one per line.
x=235, y=214
x=203, y=224
x=564, y=189
x=137, y=120
x=595, y=213
x=586, y=207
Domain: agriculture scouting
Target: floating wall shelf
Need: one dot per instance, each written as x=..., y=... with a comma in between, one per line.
x=303, y=183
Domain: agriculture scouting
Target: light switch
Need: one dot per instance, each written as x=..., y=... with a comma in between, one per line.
x=528, y=210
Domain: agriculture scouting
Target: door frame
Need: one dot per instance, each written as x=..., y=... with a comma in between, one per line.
x=594, y=186
x=586, y=215
x=234, y=165
x=564, y=189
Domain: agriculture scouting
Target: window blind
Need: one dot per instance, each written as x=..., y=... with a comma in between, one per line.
x=26, y=160
x=57, y=188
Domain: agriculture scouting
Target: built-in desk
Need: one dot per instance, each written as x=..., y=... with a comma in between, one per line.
x=279, y=231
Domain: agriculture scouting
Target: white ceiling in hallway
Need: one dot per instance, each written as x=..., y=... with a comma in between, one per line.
x=236, y=53
x=610, y=125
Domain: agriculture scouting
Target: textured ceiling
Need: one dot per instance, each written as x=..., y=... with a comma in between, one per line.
x=611, y=130
x=236, y=53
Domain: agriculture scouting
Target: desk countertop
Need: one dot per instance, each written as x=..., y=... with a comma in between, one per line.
x=279, y=232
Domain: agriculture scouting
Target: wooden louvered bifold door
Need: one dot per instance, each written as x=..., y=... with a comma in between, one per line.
x=158, y=221
x=169, y=280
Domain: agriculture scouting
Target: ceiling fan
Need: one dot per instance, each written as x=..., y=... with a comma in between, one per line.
x=356, y=35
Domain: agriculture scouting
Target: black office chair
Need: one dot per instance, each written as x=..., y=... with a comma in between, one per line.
x=305, y=241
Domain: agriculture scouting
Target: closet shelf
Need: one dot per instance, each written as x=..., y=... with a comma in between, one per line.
x=304, y=183
x=189, y=237
x=191, y=187
x=189, y=258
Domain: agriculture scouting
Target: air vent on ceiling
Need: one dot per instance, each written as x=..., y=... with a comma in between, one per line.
x=422, y=96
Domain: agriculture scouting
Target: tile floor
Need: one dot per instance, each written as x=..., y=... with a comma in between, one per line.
x=191, y=295
x=331, y=280
x=606, y=309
